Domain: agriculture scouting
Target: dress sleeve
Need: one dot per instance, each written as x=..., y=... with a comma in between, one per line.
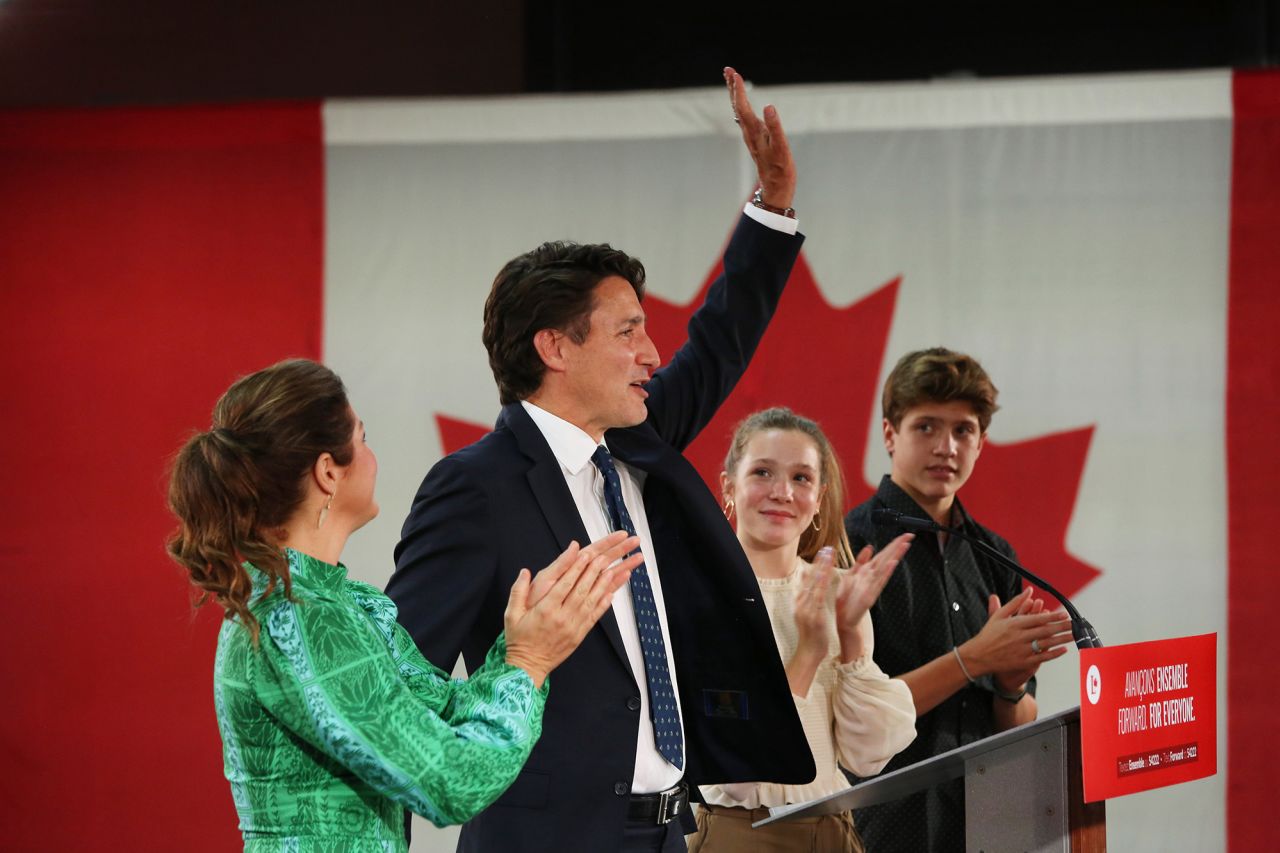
x=445, y=749
x=874, y=716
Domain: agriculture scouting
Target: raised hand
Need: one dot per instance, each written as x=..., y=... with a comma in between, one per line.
x=1018, y=637
x=811, y=606
x=859, y=588
x=861, y=584
x=574, y=592
x=813, y=632
x=767, y=144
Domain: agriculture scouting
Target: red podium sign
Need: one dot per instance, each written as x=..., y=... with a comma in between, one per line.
x=1148, y=715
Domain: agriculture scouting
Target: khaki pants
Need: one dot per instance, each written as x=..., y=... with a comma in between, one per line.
x=728, y=830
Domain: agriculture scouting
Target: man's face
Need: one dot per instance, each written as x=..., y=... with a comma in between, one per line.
x=606, y=373
x=934, y=450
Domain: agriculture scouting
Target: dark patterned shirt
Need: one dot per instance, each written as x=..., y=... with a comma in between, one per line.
x=935, y=601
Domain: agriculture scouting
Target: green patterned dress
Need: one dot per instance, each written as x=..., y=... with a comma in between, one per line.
x=335, y=721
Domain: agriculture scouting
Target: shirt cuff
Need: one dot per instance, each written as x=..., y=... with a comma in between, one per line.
x=768, y=219
x=859, y=666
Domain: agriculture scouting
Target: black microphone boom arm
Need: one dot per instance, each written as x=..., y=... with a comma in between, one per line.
x=1083, y=633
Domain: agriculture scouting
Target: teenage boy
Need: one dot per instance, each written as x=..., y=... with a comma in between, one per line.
x=953, y=624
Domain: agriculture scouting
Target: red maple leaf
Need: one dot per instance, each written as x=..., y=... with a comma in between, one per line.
x=824, y=362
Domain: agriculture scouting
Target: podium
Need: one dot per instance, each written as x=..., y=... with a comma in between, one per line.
x=1023, y=790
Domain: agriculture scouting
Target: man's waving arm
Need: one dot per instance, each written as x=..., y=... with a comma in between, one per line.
x=725, y=331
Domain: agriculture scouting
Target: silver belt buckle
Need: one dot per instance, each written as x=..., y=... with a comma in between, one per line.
x=668, y=805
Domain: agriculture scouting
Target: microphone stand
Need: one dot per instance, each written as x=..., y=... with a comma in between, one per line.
x=1083, y=633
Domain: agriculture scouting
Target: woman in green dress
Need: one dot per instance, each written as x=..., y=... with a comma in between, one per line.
x=332, y=722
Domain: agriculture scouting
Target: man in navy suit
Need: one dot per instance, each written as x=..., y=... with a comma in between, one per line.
x=680, y=684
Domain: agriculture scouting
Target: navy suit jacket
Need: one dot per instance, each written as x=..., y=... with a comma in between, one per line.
x=501, y=504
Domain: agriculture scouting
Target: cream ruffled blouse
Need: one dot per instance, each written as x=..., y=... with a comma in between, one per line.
x=854, y=713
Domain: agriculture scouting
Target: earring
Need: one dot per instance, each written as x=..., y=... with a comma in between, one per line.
x=729, y=509
x=324, y=512
x=816, y=524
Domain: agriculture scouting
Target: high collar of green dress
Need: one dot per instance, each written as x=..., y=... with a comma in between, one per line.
x=304, y=570
x=313, y=572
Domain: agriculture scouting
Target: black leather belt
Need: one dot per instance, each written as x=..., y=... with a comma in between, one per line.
x=659, y=808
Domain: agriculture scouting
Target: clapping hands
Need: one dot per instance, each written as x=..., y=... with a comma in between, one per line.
x=855, y=591
x=1018, y=637
x=860, y=587
x=547, y=617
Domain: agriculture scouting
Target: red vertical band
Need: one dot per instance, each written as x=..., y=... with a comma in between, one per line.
x=1253, y=465
x=149, y=257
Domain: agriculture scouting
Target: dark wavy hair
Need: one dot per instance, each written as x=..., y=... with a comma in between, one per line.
x=831, y=506
x=938, y=375
x=234, y=486
x=549, y=287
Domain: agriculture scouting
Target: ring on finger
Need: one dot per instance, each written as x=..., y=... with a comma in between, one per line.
x=1035, y=647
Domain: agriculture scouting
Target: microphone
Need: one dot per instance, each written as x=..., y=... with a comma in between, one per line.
x=893, y=518
x=1083, y=633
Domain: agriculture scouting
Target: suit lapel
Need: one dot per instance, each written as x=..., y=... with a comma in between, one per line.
x=554, y=501
x=655, y=458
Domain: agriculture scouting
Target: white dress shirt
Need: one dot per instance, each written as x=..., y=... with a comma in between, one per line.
x=573, y=449
x=769, y=219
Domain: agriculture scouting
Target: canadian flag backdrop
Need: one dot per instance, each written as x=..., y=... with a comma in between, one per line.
x=1107, y=246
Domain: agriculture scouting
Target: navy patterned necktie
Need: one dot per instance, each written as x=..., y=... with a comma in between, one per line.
x=662, y=700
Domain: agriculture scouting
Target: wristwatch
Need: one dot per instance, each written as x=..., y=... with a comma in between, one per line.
x=1012, y=698
x=758, y=201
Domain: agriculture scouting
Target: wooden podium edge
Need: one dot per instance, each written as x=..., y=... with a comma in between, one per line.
x=1086, y=822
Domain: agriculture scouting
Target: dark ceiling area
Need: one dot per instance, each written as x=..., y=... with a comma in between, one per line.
x=898, y=41
x=94, y=52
